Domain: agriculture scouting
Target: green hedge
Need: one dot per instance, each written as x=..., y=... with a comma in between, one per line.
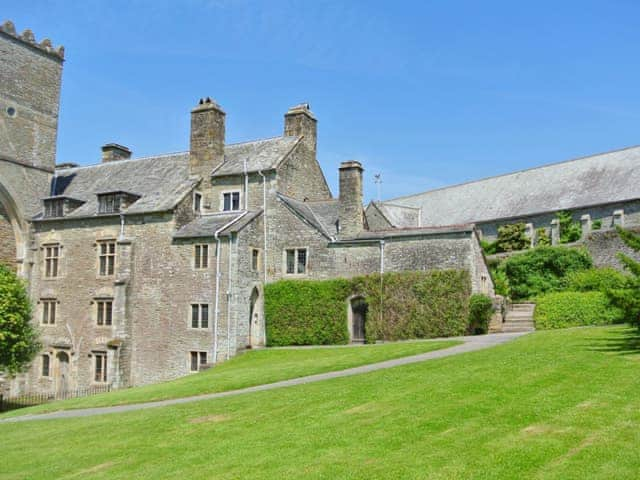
x=574, y=309
x=480, y=311
x=400, y=306
x=596, y=279
x=306, y=312
x=543, y=269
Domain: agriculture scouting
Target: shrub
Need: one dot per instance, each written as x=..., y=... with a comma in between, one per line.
x=596, y=279
x=480, y=310
x=627, y=297
x=489, y=247
x=500, y=279
x=18, y=339
x=543, y=269
x=542, y=237
x=400, y=306
x=570, y=231
x=574, y=309
x=512, y=238
x=596, y=225
x=306, y=312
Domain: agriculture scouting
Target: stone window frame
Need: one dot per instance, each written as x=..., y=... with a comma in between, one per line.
x=231, y=192
x=258, y=265
x=109, y=203
x=198, y=356
x=45, y=310
x=46, y=364
x=201, y=265
x=99, y=255
x=54, y=208
x=200, y=316
x=102, y=302
x=296, y=259
x=198, y=199
x=50, y=262
x=100, y=358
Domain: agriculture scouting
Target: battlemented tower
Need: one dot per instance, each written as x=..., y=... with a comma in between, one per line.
x=30, y=76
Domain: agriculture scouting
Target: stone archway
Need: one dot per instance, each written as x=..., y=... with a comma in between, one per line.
x=256, y=319
x=357, y=316
x=12, y=230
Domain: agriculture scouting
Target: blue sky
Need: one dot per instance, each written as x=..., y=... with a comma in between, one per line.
x=427, y=93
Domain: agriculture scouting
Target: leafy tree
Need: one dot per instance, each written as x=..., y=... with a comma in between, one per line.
x=628, y=297
x=542, y=237
x=570, y=231
x=18, y=338
x=512, y=237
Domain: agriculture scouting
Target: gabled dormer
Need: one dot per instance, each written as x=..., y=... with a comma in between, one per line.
x=115, y=202
x=60, y=206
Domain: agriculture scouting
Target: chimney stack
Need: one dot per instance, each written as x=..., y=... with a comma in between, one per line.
x=351, y=213
x=207, y=138
x=300, y=121
x=112, y=152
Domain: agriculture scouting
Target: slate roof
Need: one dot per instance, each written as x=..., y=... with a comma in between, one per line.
x=161, y=182
x=260, y=155
x=208, y=225
x=399, y=215
x=594, y=180
x=322, y=215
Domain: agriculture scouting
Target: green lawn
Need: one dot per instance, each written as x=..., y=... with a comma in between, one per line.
x=252, y=368
x=561, y=404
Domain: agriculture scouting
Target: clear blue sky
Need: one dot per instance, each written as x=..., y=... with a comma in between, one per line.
x=428, y=93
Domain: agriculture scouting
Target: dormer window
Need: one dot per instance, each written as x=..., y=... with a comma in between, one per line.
x=54, y=207
x=114, y=202
x=231, y=201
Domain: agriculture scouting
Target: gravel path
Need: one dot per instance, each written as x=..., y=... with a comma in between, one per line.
x=470, y=344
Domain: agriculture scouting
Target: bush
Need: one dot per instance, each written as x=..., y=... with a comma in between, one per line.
x=570, y=231
x=500, y=280
x=400, y=306
x=596, y=279
x=480, y=311
x=306, y=312
x=627, y=297
x=574, y=309
x=512, y=238
x=542, y=237
x=18, y=338
x=543, y=269
x=596, y=225
x=489, y=248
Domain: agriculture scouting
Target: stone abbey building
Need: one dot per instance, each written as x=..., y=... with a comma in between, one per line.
x=146, y=269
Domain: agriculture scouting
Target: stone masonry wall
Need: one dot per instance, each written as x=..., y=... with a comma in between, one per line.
x=605, y=245
x=7, y=240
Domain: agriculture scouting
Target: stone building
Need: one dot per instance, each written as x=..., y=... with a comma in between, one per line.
x=601, y=190
x=146, y=269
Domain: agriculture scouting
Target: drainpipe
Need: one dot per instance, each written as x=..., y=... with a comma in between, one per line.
x=381, y=257
x=381, y=278
x=217, y=301
x=264, y=222
x=229, y=299
x=246, y=186
x=121, y=226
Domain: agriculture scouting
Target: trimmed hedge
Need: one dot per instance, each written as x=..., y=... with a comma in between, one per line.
x=480, y=311
x=543, y=269
x=400, y=306
x=306, y=312
x=596, y=279
x=575, y=309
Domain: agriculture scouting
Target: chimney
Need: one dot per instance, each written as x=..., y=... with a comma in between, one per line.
x=207, y=138
x=350, y=211
x=300, y=121
x=112, y=152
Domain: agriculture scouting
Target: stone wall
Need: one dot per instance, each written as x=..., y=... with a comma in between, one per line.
x=7, y=240
x=605, y=245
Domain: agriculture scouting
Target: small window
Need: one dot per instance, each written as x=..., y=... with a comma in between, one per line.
x=51, y=260
x=255, y=260
x=197, y=202
x=100, y=367
x=109, y=203
x=46, y=365
x=296, y=261
x=198, y=359
x=199, y=315
x=107, y=258
x=11, y=111
x=231, y=201
x=48, y=312
x=104, y=315
x=201, y=257
x=54, y=208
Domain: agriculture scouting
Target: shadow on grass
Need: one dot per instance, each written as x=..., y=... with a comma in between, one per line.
x=625, y=341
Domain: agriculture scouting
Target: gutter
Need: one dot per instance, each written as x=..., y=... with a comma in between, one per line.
x=264, y=223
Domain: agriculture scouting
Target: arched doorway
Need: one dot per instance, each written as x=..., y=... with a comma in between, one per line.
x=357, y=319
x=256, y=325
x=11, y=229
x=62, y=380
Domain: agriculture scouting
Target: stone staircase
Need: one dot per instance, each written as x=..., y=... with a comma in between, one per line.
x=519, y=318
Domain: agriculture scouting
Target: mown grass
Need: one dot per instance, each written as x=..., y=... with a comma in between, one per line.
x=561, y=404
x=252, y=368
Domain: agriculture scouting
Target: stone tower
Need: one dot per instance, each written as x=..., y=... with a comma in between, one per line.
x=30, y=77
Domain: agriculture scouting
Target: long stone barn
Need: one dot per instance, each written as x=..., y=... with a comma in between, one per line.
x=146, y=269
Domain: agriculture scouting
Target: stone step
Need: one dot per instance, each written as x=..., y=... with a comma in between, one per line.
x=506, y=329
x=519, y=315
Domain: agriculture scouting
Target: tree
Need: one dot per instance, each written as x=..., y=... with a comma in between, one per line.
x=18, y=339
x=570, y=231
x=628, y=297
x=512, y=238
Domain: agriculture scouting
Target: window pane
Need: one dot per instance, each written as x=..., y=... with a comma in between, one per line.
x=197, y=201
x=110, y=265
x=54, y=267
x=194, y=361
x=52, y=312
x=100, y=319
x=45, y=312
x=194, y=316
x=254, y=260
x=197, y=257
x=108, y=313
x=98, y=373
x=204, y=321
x=45, y=365
x=227, y=201
x=203, y=358
x=236, y=200
x=291, y=261
x=205, y=256
x=302, y=261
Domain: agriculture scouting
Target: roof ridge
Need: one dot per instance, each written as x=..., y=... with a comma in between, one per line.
x=128, y=160
x=260, y=140
x=539, y=167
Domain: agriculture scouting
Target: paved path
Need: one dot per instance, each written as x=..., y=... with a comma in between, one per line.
x=470, y=344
